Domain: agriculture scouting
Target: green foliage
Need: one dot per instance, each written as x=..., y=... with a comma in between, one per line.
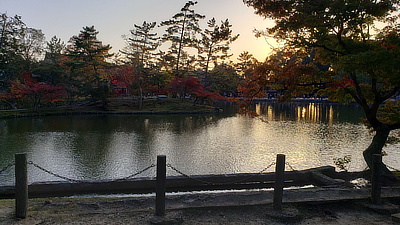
x=11, y=60
x=50, y=69
x=390, y=112
x=338, y=95
x=223, y=78
x=343, y=163
x=87, y=60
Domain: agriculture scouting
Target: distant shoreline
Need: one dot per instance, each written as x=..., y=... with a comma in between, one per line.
x=184, y=109
x=116, y=107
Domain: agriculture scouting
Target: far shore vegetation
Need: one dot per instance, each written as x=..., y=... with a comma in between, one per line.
x=120, y=105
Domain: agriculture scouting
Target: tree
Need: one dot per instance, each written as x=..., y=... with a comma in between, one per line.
x=51, y=70
x=87, y=59
x=216, y=40
x=192, y=86
x=223, y=79
x=362, y=66
x=182, y=29
x=32, y=45
x=11, y=61
x=245, y=61
x=138, y=51
x=125, y=76
x=141, y=44
x=54, y=50
x=182, y=86
x=35, y=91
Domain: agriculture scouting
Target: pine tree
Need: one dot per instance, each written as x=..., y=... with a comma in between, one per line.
x=216, y=39
x=87, y=59
x=141, y=44
x=182, y=30
x=51, y=70
x=245, y=61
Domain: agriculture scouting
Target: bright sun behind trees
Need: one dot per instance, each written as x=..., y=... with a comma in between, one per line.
x=362, y=61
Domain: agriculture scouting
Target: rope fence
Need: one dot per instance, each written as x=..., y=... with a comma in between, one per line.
x=85, y=181
x=6, y=168
x=219, y=183
x=160, y=184
x=146, y=169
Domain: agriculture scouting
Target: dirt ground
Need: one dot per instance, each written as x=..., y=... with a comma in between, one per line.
x=141, y=211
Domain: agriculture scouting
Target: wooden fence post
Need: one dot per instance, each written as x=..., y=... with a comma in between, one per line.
x=376, y=179
x=161, y=182
x=279, y=182
x=21, y=186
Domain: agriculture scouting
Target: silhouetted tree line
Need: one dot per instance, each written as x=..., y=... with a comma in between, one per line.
x=85, y=68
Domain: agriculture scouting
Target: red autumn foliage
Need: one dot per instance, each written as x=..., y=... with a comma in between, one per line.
x=181, y=86
x=123, y=78
x=35, y=91
x=341, y=84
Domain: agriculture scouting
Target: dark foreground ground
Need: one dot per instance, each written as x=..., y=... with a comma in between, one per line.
x=312, y=206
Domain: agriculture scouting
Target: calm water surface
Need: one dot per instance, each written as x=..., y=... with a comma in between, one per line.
x=108, y=147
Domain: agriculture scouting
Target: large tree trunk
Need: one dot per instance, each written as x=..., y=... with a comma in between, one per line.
x=376, y=148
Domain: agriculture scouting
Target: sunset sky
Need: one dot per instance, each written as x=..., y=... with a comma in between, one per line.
x=115, y=18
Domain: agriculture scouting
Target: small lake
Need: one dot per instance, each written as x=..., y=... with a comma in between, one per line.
x=115, y=146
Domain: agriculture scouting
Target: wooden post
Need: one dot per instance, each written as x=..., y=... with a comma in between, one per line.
x=161, y=182
x=279, y=181
x=21, y=186
x=376, y=179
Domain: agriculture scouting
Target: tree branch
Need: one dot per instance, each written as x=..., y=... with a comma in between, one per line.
x=391, y=93
x=354, y=95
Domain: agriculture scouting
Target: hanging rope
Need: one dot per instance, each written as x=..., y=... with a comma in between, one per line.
x=220, y=183
x=82, y=181
x=7, y=167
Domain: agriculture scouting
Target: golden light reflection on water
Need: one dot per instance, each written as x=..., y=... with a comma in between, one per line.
x=310, y=112
x=330, y=115
x=303, y=111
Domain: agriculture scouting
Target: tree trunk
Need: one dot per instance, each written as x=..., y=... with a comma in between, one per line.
x=208, y=59
x=375, y=147
x=140, y=97
x=180, y=43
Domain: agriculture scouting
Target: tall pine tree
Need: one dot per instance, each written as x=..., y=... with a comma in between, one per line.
x=87, y=59
x=182, y=30
x=216, y=40
x=140, y=45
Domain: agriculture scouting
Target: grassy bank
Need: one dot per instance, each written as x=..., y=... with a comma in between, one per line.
x=116, y=106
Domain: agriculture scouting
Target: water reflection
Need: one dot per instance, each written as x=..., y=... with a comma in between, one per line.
x=310, y=112
x=99, y=147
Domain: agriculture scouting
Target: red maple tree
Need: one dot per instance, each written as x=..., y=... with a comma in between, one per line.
x=37, y=92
